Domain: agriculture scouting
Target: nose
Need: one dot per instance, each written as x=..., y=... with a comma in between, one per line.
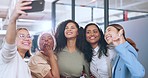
x=26, y=38
x=69, y=29
x=91, y=33
x=46, y=40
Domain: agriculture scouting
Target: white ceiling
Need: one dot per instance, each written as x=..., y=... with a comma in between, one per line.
x=34, y=20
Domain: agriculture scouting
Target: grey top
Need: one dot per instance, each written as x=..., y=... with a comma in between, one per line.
x=71, y=64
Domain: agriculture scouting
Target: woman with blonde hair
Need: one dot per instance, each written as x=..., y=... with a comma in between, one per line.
x=17, y=43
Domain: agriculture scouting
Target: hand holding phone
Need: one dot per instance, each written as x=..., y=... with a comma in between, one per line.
x=37, y=5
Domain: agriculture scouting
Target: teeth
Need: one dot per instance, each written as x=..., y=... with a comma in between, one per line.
x=69, y=33
x=108, y=37
x=92, y=37
x=26, y=43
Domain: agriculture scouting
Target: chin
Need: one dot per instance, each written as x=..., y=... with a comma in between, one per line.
x=93, y=42
x=109, y=42
x=27, y=48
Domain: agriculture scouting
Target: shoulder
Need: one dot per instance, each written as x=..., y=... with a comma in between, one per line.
x=37, y=59
x=111, y=53
x=126, y=46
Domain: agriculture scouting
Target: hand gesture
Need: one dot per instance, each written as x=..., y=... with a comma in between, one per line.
x=47, y=49
x=20, y=6
x=119, y=39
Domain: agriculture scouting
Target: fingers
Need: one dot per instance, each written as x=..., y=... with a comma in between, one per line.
x=116, y=40
x=47, y=50
x=25, y=5
x=47, y=47
x=21, y=1
x=21, y=6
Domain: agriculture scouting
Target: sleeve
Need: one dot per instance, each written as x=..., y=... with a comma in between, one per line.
x=8, y=52
x=86, y=69
x=129, y=56
x=39, y=67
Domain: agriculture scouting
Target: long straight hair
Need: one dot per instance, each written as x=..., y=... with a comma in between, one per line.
x=101, y=43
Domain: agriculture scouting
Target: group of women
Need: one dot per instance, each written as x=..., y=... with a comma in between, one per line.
x=74, y=53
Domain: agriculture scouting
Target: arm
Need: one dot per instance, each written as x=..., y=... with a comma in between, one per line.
x=54, y=72
x=9, y=49
x=129, y=55
x=11, y=29
x=86, y=69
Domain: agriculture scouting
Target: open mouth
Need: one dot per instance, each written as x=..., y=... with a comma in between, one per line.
x=69, y=33
x=108, y=37
x=92, y=38
x=26, y=43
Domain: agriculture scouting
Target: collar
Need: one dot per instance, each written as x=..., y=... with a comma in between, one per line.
x=95, y=50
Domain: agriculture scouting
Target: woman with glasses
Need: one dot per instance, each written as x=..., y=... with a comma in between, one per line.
x=17, y=43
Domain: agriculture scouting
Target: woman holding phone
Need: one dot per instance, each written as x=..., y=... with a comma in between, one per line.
x=16, y=45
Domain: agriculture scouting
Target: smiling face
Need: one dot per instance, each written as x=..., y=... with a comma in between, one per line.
x=110, y=34
x=46, y=39
x=71, y=31
x=23, y=40
x=92, y=35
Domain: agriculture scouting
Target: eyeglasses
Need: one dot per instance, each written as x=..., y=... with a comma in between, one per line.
x=22, y=36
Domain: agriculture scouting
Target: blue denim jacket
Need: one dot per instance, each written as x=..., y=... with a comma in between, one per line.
x=126, y=64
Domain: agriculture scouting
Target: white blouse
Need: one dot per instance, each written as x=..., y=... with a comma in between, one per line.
x=100, y=67
x=11, y=63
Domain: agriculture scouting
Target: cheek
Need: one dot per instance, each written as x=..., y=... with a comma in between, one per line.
x=77, y=32
x=98, y=35
x=64, y=32
x=41, y=44
x=87, y=37
x=18, y=42
x=114, y=35
x=31, y=42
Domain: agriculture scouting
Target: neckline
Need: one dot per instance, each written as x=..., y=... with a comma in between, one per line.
x=95, y=51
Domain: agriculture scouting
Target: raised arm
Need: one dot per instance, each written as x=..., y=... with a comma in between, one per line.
x=18, y=10
x=9, y=48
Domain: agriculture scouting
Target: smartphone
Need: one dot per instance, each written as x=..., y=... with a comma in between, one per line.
x=37, y=6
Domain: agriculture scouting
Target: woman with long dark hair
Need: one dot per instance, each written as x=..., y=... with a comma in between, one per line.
x=101, y=57
x=70, y=55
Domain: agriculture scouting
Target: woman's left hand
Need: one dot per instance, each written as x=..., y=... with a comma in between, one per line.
x=119, y=39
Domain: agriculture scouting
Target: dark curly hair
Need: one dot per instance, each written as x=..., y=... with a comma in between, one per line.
x=62, y=40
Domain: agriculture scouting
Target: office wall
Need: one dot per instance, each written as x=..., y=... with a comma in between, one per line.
x=138, y=31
